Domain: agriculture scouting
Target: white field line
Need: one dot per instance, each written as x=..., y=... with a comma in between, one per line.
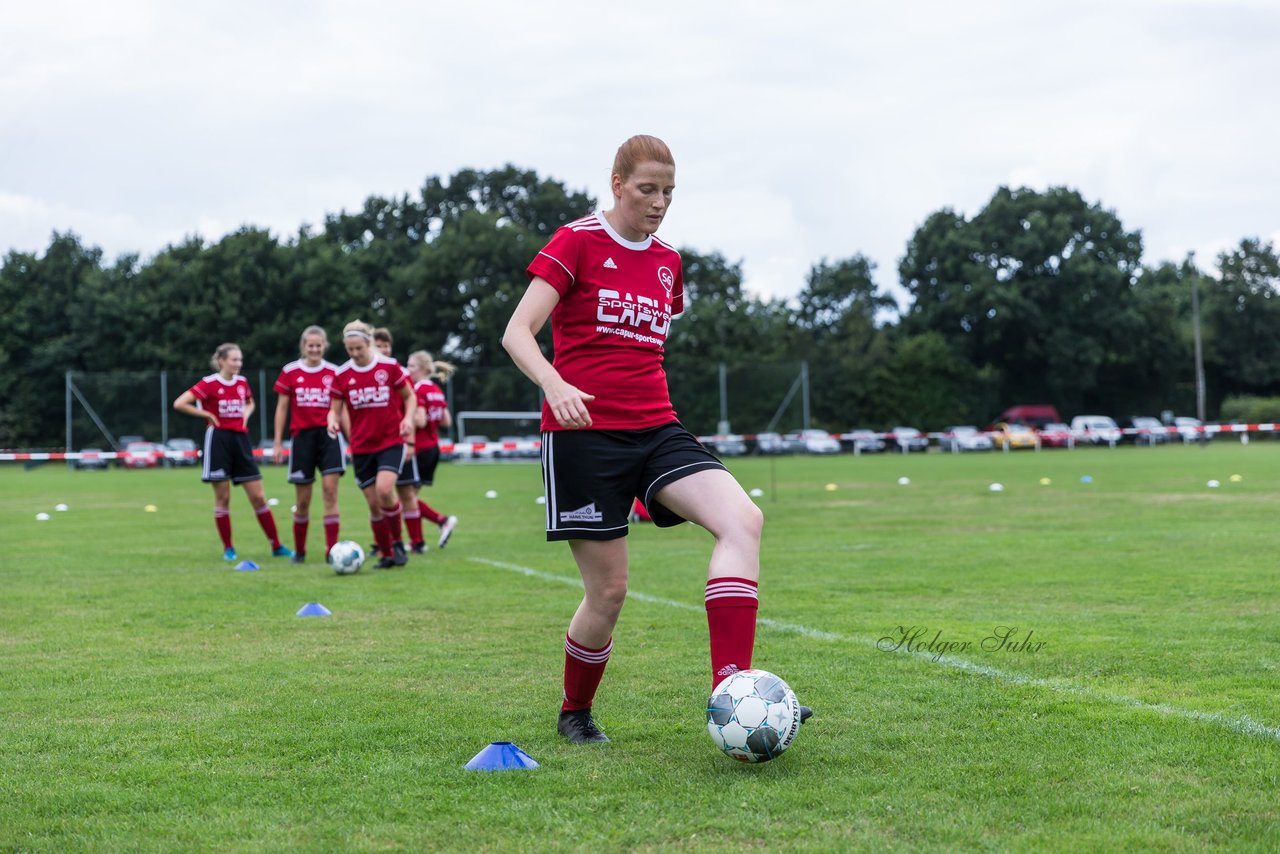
x=1243, y=725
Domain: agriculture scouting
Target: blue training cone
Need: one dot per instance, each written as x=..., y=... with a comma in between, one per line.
x=500, y=756
x=313, y=609
x=247, y=566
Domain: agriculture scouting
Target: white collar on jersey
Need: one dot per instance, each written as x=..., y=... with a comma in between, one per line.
x=618, y=238
x=377, y=360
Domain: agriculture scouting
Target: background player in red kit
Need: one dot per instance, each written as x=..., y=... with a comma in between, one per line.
x=365, y=387
x=611, y=289
x=407, y=482
x=225, y=401
x=433, y=413
x=303, y=401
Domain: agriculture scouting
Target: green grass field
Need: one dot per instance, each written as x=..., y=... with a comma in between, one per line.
x=156, y=700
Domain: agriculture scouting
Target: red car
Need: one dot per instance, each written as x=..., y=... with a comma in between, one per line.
x=141, y=455
x=1056, y=435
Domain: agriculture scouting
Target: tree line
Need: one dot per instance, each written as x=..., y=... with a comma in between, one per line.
x=1040, y=297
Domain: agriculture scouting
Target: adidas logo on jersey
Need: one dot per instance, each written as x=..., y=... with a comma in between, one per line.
x=609, y=265
x=583, y=514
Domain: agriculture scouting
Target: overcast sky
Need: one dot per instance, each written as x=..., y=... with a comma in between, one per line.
x=801, y=131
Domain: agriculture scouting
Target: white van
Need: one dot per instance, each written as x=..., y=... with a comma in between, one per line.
x=1095, y=429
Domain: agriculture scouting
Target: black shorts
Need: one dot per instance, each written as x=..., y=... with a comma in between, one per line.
x=228, y=456
x=313, y=449
x=427, y=459
x=367, y=466
x=408, y=469
x=591, y=477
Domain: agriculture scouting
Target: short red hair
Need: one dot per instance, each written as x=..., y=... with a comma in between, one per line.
x=641, y=148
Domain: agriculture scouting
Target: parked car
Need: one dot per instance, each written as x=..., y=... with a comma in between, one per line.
x=1190, y=429
x=815, y=442
x=183, y=452
x=909, y=439
x=964, y=437
x=864, y=442
x=1012, y=436
x=772, y=443
x=1143, y=430
x=90, y=459
x=141, y=455
x=1032, y=414
x=481, y=448
x=1057, y=435
x=122, y=444
x=1095, y=429
x=728, y=446
x=266, y=452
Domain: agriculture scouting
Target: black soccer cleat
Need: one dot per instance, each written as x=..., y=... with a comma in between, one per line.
x=385, y=563
x=579, y=728
x=805, y=713
x=418, y=548
x=399, y=557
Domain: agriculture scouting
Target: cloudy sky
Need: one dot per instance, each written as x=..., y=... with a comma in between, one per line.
x=801, y=131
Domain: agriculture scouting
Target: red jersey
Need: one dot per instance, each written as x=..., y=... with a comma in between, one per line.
x=370, y=394
x=617, y=299
x=228, y=399
x=431, y=400
x=308, y=392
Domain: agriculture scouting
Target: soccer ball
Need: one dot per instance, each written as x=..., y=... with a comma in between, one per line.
x=753, y=716
x=346, y=557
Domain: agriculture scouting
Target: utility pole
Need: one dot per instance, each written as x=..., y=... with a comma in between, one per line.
x=1195, y=331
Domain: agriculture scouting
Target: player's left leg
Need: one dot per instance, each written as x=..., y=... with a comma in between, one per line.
x=329, y=493
x=301, y=520
x=713, y=499
x=267, y=520
x=389, y=502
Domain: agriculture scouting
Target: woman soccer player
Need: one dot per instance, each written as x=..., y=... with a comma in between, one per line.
x=366, y=387
x=433, y=413
x=407, y=482
x=303, y=401
x=611, y=289
x=226, y=402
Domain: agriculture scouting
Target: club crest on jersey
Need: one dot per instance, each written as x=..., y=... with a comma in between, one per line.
x=380, y=376
x=668, y=280
x=326, y=381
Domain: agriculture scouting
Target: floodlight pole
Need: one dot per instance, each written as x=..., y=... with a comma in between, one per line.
x=1195, y=330
x=723, y=426
x=66, y=384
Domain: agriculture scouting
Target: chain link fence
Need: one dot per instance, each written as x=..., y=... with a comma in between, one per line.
x=101, y=407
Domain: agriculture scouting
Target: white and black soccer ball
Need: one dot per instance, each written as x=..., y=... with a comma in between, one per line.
x=753, y=716
x=346, y=557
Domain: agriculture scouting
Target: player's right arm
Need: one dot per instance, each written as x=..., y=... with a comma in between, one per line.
x=186, y=403
x=282, y=415
x=567, y=403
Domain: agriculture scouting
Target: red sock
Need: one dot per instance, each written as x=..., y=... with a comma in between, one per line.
x=392, y=518
x=381, y=534
x=428, y=511
x=413, y=522
x=222, y=518
x=583, y=668
x=330, y=532
x=268, y=523
x=731, y=619
x=300, y=533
